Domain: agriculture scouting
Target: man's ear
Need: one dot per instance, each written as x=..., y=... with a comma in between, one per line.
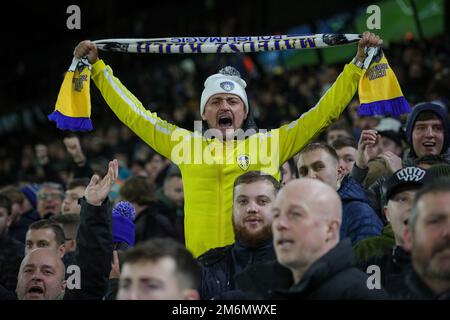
x=407, y=239
x=62, y=250
x=333, y=230
x=63, y=285
x=203, y=117
x=72, y=246
x=386, y=213
x=191, y=294
x=9, y=221
x=341, y=172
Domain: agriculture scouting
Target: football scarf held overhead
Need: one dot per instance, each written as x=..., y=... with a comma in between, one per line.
x=73, y=106
x=379, y=90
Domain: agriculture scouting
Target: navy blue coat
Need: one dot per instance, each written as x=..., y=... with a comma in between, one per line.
x=220, y=265
x=359, y=220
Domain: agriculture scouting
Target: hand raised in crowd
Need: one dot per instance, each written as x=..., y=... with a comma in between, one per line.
x=366, y=148
x=98, y=189
x=87, y=49
x=41, y=151
x=73, y=147
x=368, y=39
x=393, y=161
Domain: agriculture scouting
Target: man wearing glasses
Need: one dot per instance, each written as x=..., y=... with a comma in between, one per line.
x=50, y=197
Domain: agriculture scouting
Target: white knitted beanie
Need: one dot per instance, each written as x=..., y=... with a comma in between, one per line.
x=228, y=80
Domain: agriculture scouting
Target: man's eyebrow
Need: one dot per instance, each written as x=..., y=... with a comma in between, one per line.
x=47, y=266
x=150, y=279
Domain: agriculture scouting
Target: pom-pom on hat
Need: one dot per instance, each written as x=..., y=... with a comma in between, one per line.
x=123, y=215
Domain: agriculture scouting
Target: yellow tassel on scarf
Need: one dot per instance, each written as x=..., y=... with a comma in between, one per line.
x=379, y=91
x=73, y=106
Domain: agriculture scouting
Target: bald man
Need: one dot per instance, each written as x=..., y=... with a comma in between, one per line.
x=312, y=262
x=41, y=276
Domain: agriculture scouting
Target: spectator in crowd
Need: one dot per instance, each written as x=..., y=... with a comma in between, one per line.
x=224, y=108
x=428, y=238
x=312, y=262
x=69, y=223
x=377, y=149
x=18, y=208
x=17, y=199
x=337, y=130
x=378, y=157
x=50, y=197
x=46, y=166
x=27, y=210
x=11, y=252
x=79, y=167
x=171, y=199
x=427, y=132
x=360, y=123
x=74, y=191
x=388, y=250
x=359, y=221
x=156, y=167
x=390, y=140
x=159, y=269
x=45, y=234
x=151, y=221
x=41, y=275
x=253, y=196
x=288, y=171
x=346, y=151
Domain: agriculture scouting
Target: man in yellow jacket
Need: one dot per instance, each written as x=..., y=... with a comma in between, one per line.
x=210, y=161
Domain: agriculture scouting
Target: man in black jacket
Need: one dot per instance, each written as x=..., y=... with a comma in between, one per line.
x=307, y=215
x=253, y=196
x=399, y=190
x=151, y=219
x=428, y=237
x=11, y=252
x=93, y=254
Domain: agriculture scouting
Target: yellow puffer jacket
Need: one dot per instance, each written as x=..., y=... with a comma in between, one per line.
x=208, y=166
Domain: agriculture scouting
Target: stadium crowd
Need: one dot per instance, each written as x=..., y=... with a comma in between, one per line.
x=368, y=191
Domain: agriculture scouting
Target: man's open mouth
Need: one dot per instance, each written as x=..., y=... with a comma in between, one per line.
x=225, y=121
x=429, y=144
x=284, y=243
x=35, y=292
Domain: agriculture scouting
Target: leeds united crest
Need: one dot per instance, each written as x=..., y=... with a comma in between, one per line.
x=227, y=85
x=243, y=161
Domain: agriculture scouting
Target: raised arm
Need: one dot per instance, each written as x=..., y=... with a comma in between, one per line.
x=297, y=134
x=157, y=133
x=94, y=238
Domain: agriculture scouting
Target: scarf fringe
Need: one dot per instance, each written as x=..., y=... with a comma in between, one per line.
x=392, y=107
x=70, y=123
